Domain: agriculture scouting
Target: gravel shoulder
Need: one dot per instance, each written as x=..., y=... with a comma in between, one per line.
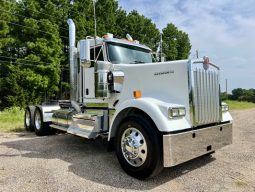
x=68, y=163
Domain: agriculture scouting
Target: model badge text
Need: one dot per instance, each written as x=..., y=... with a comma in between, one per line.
x=164, y=72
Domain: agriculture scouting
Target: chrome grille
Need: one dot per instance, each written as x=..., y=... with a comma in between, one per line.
x=206, y=95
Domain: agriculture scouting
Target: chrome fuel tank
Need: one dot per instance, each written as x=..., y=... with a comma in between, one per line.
x=63, y=117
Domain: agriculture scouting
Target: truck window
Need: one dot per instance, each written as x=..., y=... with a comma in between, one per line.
x=127, y=54
x=99, y=57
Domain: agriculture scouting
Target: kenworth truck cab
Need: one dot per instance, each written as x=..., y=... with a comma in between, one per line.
x=153, y=115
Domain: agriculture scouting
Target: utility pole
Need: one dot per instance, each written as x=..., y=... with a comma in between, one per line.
x=70, y=11
x=197, y=54
x=161, y=47
x=227, y=89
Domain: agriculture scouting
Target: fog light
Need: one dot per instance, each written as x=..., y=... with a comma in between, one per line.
x=176, y=112
x=225, y=107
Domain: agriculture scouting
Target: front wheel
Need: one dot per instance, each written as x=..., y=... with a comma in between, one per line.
x=139, y=148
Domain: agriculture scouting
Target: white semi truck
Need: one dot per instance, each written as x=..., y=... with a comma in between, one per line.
x=155, y=115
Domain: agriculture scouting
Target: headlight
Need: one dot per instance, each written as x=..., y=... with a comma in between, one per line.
x=176, y=112
x=224, y=107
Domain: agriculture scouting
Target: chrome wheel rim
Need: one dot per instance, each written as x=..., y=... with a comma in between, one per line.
x=38, y=121
x=27, y=119
x=134, y=147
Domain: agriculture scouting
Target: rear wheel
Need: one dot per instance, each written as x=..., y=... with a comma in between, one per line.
x=29, y=118
x=41, y=128
x=138, y=148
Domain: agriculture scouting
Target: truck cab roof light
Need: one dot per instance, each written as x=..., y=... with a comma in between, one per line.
x=129, y=38
x=108, y=36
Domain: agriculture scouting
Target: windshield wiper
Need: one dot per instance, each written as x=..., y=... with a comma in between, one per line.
x=135, y=62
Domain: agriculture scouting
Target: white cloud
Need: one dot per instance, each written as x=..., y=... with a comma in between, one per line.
x=223, y=30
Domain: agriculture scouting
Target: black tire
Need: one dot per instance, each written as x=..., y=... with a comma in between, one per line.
x=153, y=163
x=29, y=118
x=41, y=128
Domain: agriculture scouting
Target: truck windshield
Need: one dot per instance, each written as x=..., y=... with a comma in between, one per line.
x=127, y=54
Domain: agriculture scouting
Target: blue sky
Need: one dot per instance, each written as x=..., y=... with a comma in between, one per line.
x=224, y=30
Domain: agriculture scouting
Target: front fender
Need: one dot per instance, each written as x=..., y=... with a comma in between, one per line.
x=157, y=110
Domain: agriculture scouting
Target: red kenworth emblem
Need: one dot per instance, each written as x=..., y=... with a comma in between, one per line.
x=206, y=62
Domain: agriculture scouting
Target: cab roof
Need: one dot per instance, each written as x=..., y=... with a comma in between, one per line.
x=126, y=42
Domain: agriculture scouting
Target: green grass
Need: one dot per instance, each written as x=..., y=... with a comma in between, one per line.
x=11, y=120
x=239, y=104
x=97, y=104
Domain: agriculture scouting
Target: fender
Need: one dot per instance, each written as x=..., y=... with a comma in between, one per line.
x=47, y=111
x=156, y=109
x=226, y=117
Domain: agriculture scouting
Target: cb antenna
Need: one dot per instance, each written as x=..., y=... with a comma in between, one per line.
x=161, y=48
x=70, y=12
x=95, y=28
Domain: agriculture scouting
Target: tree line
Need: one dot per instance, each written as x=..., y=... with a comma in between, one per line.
x=240, y=94
x=34, y=43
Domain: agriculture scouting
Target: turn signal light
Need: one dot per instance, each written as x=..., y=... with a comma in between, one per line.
x=137, y=94
x=108, y=36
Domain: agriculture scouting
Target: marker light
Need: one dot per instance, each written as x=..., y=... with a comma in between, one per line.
x=108, y=36
x=129, y=37
x=137, y=94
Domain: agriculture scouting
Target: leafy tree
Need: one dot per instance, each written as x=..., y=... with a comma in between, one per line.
x=237, y=93
x=243, y=95
x=7, y=45
x=106, y=18
x=225, y=96
x=248, y=95
x=34, y=43
x=176, y=44
x=140, y=28
x=121, y=20
x=36, y=56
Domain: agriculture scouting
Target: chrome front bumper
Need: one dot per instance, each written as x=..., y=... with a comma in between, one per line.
x=181, y=147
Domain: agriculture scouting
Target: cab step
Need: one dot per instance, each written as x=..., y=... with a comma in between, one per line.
x=62, y=128
x=87, y=125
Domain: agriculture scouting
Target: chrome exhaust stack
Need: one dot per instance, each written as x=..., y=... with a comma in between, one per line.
x=73, y=67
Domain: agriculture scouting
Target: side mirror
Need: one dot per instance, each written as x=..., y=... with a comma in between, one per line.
x=84, y=50
x=115, y=81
